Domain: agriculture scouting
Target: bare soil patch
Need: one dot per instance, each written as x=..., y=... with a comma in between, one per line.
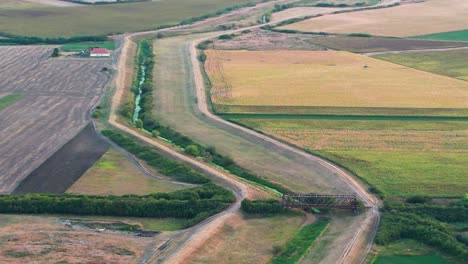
x=376, y=44
x=66, y=165
x=34, y=239
x=259, y=39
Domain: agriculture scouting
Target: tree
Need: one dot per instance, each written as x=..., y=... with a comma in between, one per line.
x=155, y=133
x=139, y=123
x=55, y=53
x=192, y=150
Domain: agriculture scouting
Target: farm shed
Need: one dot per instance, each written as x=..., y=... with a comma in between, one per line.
x=99, y=52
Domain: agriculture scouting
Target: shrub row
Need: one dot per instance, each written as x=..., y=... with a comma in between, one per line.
x=174, y=169
x=298, y=245
x=262, y=207
x=442, y=213
x=22, y=40
x=424, y=223
x=105, y=2
x=186, y=204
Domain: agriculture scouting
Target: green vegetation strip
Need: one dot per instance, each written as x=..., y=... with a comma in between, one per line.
x=262, y=207
x=345, y=117
x=461, y=35
x=424, y=223
x=9, y=99
x=195, y=204
x=110, y=45
x=165, y=166
x=427, y=259
x=299, y=244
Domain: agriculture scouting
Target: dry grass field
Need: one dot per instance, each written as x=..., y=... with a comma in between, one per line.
x=57, y=95
x=36, y=239
x=113, y=174
x=400, y=158
x=400, y=21
x=326, y=78
x=244, y=240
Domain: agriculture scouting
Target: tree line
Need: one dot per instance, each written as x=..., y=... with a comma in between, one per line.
x=425, y=223
x=193, y=203
x=23, y=40
x=262, y=207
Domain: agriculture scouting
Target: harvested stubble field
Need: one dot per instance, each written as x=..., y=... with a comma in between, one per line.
x=37, y=239
x=400, y=158
x=113, y=174
x=50, y=21
x=379, y=44
x=326, y=79
x=400, y=21
x=57, y=96
x=453, y=63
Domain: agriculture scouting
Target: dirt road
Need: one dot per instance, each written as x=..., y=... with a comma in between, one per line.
x=362, y=237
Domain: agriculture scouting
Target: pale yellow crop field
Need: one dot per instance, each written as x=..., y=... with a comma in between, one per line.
x=326, y=78
x=405, y=20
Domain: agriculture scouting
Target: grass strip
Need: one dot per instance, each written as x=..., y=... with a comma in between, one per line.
x=345, y=117
x=165, y=166
x=300, y=243
x=9, y=99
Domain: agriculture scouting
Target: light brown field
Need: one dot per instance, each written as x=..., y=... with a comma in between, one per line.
x=35, y=239
x=247, y=240
x=417, y=19
x=113, y=174
x=326, y=78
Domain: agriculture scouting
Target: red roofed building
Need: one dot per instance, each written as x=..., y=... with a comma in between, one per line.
x=99, y=52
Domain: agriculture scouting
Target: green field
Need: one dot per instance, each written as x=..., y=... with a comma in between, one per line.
x=461, y=35
x=110, y=45
x=399, y=158
x=428, y=259
x=452, y=63
x=9, y=99
x=105, y=19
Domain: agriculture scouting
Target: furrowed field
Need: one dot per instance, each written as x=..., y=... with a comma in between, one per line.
x=325, y=79
x=442, y=15
x=49, y=21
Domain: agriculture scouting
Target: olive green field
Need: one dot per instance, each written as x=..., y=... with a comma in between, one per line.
x=49, y=21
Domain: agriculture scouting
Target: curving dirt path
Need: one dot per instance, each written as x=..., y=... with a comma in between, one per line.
x=363, y=236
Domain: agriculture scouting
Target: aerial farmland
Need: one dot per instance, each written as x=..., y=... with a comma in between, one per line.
x=234, y=131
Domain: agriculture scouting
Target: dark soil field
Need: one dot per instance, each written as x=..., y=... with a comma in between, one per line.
x=57, y=97
x=377, y=44
x=267, y=40
x=66, y=165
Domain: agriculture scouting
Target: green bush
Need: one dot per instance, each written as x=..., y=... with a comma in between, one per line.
x=262, y=207
x=192, y=150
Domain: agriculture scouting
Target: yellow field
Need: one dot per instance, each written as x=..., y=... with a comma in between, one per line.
x=405, y=20
x=326, y=78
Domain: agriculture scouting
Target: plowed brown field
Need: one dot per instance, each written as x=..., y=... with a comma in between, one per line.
x=58, y=94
